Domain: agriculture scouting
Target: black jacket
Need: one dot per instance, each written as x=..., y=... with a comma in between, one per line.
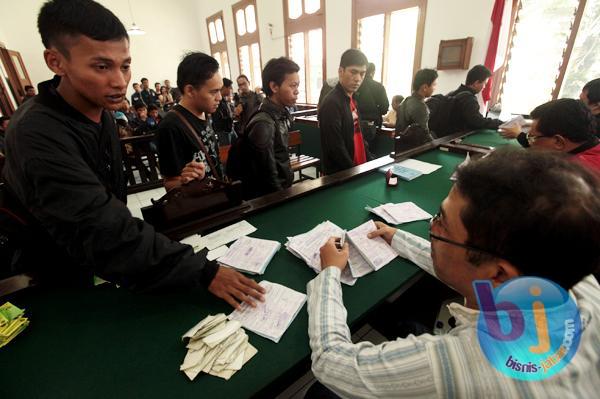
x=67, y=172
x=337, y=131
x=267, y=160
x=222, y=118
x=467, y=115
x=372, y=101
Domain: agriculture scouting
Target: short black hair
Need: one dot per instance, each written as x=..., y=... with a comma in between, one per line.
x=353, y=56
x=568, y=117
x=478, y=73
x=59, y=19
x=143, y=79
x=398, y=98
x=135, y=84
x=139, y=106
x=424, y=77
x=195, y=69
x=537, y=210
x=370, y=68
x=27, y=87
x=227, y=82
x=593, y=91
x=242, y=76
x=275, y=71
x=152, y=107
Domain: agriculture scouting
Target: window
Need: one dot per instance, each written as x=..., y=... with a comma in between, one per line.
x=247, y=38
x=390, y=33
x=548, y=61
x=218, y=44
x=305, y=33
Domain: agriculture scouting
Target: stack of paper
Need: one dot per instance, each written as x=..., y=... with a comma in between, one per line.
x=12, y=322
x=272, y=317
x=375, y=251
x=517, y=121
x=217, y=347
x=249, y=254
x=307, y=247
x=399, y=213
x=410, y=169
x=215, y=241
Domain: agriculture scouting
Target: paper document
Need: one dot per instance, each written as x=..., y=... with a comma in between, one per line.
x=404, y=212
x=271, y=318
x=217, y=252
x=402, y=172
x=357, y=265
x=375, y=251
x=517, y=121
x=227, y=234
x=195, y=241
x=249, y=254
x=420, y=166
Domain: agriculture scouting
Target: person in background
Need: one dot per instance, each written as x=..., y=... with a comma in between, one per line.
x=342, y=144
x=157, y=88
x=389, y=120
x=136, y=97
x=4, y=121
x=372, y=102
x=222, y=118
x=29, y=93
x=246, y=102
x=165, y=98
x=154, y=115
x=142, y=124
x=148, y=95
x=590, y=95
x=413, y=109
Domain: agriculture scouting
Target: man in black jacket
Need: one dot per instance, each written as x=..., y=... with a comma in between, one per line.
x=264, y=149
x=342, y=145
x=64, y=167
x=246, y=102
x=466, y=108
x=373, y=103
x=222, y=118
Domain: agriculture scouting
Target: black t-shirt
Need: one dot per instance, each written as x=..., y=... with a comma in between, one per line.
x=177, y=146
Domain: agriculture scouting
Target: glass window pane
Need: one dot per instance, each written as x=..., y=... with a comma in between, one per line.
x=311, y=6
x=250, y=19
x=241, y=24
x=584, y=64
x=296, y=51
x=225, y=65
x=536, y=54
x=294, y=8
x=400, y=52
x=256, y=67
x=245, y=61
x=212, y=32
x=370, y=40
x=220, y=33
x=315, y=58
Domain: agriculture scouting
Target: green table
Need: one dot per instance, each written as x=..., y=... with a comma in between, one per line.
x=106, y=342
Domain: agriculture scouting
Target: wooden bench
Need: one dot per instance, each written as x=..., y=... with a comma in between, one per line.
x=298, y=161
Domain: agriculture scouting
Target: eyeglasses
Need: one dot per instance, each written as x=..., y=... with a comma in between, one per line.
x=436, y=219
x=531, y=139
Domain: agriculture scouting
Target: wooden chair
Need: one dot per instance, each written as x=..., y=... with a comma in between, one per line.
x=297, y=160
x=139, y=155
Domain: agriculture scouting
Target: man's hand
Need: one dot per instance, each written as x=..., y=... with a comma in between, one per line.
x=383, y=230
x=193, y=170
x=510, y=132
x=332, y=256
x=234, y=288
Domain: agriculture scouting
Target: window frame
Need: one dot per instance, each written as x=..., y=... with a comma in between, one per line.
x=247, y=39
x=367, y=8
x=303, y=24
x=218, y=47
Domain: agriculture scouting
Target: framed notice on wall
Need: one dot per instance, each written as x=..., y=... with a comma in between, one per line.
x=455, y=54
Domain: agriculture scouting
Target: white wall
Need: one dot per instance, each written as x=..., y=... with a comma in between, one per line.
x=171, y=27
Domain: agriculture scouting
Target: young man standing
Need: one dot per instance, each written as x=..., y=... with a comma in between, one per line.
x=182, y=156
x=466, y=115
x=29, y=93
x=372, y=102
x=136, y=97
x=342, y=144
x=265, y=157
x=246, y=102
x=148, y=95
x=64, y=167
x=509, y=215
x=413, y=109
x=222, y=118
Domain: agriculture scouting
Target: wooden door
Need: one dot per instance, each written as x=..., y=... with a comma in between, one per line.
x=18, y=77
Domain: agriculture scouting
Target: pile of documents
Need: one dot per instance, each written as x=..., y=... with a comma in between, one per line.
x=216, y=346
x=215, y=241
x=12, y=322
x=410, y=169
x=366, y=254
x=249, y=254
x=399, y=213
x=271, y=318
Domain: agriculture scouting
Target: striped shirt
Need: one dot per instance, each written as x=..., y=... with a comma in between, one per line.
x=445, y=366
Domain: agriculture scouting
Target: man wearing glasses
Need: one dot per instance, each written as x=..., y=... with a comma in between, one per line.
x=512, y=214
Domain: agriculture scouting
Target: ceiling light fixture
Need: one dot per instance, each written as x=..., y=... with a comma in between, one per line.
x=134, y=30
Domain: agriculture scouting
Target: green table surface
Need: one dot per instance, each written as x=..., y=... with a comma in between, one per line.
x=107, y=342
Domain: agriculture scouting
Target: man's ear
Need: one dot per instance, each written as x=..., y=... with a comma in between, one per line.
x=502, y=271
x=274, y=88
x=559, y=142
x=55, y=61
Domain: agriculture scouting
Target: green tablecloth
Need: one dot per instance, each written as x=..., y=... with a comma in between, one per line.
x=107, y=342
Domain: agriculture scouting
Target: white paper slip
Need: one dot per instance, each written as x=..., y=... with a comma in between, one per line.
x=249, y=254
x=517, y=121
x=308, y=245
x=208, y=321
x=195, y=241
x=376, y=251
x=357, y=265
x=227, y=234
x=271, y=318
x=406, y=212
x=423, y=167
x=217, y=252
